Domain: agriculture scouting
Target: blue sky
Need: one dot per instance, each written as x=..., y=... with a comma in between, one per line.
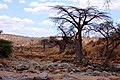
x=31, y=17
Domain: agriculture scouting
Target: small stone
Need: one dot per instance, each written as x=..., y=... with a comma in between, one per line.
x=32, y=70
x=26, y=78
x=1, y=78
x=43, y=75
x=22, y=68
x=57, y=71
x=89, y=70
x=114, y=74
x=103, y=79
x=10, y=68
x=90, y=67
x=105, y=73
x=37, y=78
x=96, y=73
x=73, y=79
x=85, y=73
x=66, y=75
x=1, y=66
x=9, y=76
x=58, y=61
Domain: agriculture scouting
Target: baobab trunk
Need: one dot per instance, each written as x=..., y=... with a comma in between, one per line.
x=79, y=53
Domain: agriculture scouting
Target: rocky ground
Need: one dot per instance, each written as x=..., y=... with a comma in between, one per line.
x=32, y=63
x=25, y=69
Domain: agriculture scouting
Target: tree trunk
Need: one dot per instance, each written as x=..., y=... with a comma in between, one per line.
x=62, y=46
x=79, y=53
x=106, y=62
x=110, y=53
x=44, y=45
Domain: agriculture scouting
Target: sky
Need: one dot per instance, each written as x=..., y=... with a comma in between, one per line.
x=31, y=17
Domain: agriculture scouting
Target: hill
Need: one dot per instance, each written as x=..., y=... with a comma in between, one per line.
x=25, y=40
x=19, y=40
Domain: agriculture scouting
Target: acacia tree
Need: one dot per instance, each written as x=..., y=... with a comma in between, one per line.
x=77, y=18
x=111, y=35
x=67, y=34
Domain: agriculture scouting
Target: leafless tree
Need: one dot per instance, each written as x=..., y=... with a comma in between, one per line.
x=43, y=42
x=1, y=31
x=67, y=35
x=77, y=18
x=111, y=36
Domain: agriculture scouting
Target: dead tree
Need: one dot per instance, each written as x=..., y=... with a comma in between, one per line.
x=1, y=31
x=43, y=42
x=67, y=35
x=111, y=36
x=77, y=18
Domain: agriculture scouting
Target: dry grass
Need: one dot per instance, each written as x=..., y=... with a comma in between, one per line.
x=34, y=49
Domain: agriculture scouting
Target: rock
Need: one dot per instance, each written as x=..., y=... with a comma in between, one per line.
x=73, y=79
x=2, y=69
x=53, y=64
x=43, y=75
x=10, y=68
x=21, y=76
x=96, y=73
x=89, y=70
x=26, y=65
x=75, y=70
x=32, y=70
x=22, y=68
x=103, y=79
x=85, y=73
x=114, y=74
x=1, y=78
x=65, y=65
x=66, y=75
x=9, y=76
x=57, y=71
x=90, y=67
x=105, y=73
x=1, y=66
x=26, y=78
x=39, y=78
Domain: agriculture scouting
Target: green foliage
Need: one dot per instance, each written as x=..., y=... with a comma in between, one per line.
x=5, y=48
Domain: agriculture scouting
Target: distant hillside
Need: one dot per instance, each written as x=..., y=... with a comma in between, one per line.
x=19, y=40
x=23, y=40
x=88, y=39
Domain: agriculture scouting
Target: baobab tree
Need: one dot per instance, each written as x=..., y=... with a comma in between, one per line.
x=77, y=18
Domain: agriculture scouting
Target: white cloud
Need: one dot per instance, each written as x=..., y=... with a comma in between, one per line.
x=14, y=20
x=22, y=1
x=14, y=25
x=3, y=6
x=114, y=4
x=7, y=0
x=18, y=20
x=36, y=7
x=47, y=22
